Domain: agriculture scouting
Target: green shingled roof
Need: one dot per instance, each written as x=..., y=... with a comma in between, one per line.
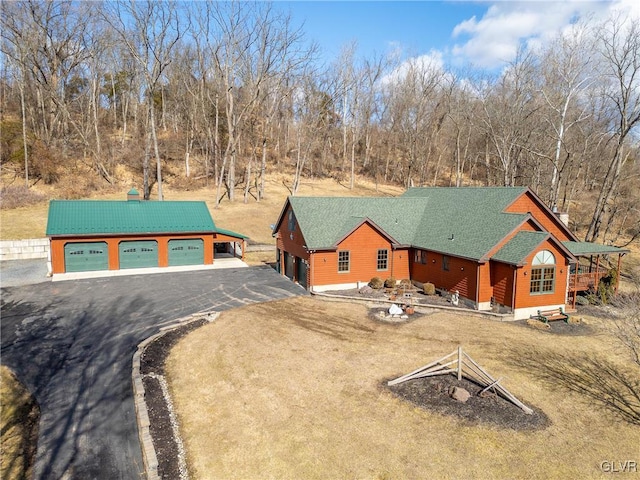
x=588, y=248
x=466, y=222
x=94, y=217
x=519, y=247
x=324, y=221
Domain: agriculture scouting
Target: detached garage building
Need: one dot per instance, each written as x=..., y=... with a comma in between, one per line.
x=91, y=235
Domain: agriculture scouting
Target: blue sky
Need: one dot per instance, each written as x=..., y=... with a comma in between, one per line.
x=457, y=33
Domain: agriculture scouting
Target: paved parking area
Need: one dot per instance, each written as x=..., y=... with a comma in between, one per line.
x=15, y=273
x=71, y=343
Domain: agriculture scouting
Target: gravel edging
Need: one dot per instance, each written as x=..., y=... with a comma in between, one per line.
x=141, y=378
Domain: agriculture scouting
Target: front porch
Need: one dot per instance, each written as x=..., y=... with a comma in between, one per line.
x=586, y=275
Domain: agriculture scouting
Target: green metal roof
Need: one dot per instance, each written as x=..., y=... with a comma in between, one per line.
x=519, y=247
x=94, y=217
x=466, y=222
x=230, y=233
x=588, y=248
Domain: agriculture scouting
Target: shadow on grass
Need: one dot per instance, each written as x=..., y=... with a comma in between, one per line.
x=600, y=381
x=19, y=428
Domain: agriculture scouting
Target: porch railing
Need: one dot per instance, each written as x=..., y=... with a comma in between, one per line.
x=580, y=282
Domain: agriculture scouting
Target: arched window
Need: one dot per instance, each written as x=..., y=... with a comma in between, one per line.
x=543, y=273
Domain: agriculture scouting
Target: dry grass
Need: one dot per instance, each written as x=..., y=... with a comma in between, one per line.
x=19, y=424
x=252, y=219
x=292, y=389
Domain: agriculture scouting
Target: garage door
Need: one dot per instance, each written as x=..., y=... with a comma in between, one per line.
x=302, y=268
x=288, y=265
x=85, y=257
x=186, y=252
x=138, y=254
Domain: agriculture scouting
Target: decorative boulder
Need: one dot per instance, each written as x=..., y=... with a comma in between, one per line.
x=395, y=310
x=459, y=394
x=366, y=290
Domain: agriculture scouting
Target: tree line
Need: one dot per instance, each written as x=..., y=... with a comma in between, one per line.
x=228, y=91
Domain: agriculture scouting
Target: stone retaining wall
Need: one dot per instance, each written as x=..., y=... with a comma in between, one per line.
x=24, y=249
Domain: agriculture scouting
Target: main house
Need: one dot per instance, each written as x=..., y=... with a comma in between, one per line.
x=92, y=235
x=495, y=246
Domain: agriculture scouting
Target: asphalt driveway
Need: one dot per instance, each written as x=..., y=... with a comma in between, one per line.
x=71, y=343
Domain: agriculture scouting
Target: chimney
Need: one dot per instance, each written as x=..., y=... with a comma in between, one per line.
x=563, y=216
x=133, y=195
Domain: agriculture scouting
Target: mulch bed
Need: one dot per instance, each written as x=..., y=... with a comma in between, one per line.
x=418, y=298
x=152, y=361
x=432, y=393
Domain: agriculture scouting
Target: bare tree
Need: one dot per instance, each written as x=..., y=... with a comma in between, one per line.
x=46, y=40
x=568, y=72
x=150, y=30
x=619, y=39
x=508, y=107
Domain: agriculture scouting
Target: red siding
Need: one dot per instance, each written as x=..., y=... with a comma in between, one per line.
x=363, y=245
x=292, y=242
x=461, y=276
x=523, y=281
x=526, y=203
x=502, y=283
x=57, y=248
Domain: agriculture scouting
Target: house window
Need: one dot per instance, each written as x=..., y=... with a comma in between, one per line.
x=343, y=261
x=543, y=273
x=292, y=221
x=383, y=259
x=420, y=256
x=445, y=263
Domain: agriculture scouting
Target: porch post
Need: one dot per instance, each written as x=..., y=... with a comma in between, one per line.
x=618, y=274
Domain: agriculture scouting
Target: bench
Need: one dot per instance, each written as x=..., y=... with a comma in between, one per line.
x=550, y=315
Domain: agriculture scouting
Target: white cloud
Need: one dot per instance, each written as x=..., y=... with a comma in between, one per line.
x=493, y=40
x=428, y=63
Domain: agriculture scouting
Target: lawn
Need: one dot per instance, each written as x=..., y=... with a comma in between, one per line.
x=252, y=219
x=19, y=416
x=295, y=389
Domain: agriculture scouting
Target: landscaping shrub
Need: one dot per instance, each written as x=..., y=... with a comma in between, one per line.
x=390, y=282
x=376, y=282
x=606, y=287
x=429, y=289
x=580, y=300
x=14, y=196
x=406, y=283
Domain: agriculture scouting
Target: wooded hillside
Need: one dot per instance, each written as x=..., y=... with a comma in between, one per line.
x=220, y=93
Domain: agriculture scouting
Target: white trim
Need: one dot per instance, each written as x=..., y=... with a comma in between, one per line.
x=335, y=286
x=528, y=312
x=218, y=264
x=484, y=306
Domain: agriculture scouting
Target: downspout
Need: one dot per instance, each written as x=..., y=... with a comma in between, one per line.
x=313, y=271
x=393, y=256
x=513, y=289
x=478, y=286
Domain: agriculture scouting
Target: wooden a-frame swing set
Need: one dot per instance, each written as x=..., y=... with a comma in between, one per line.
x=462, y=365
